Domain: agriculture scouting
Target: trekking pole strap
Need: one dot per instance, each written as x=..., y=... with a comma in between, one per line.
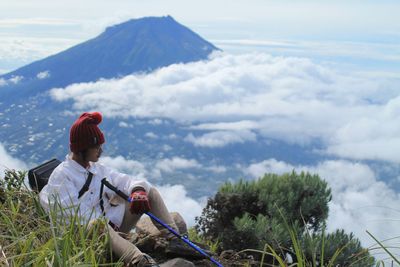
x=116, y=190
x=151, y=215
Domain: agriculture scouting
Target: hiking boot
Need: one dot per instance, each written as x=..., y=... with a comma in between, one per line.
x=178, y=247
x=146, y=261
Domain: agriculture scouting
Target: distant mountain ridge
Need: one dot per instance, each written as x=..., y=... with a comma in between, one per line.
x=138, y=45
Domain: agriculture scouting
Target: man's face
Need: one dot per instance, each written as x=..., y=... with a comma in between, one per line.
x=94, y=153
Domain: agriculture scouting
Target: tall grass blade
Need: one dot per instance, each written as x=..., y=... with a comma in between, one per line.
x=384, y=248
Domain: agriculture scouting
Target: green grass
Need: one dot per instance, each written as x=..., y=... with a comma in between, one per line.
x=387, y=250
x=196, y=237
x=31, y=237
x=299, y=254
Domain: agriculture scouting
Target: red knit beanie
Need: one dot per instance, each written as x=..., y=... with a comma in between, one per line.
x=85, y=133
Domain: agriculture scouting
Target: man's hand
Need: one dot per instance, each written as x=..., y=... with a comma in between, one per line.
x=139, y=202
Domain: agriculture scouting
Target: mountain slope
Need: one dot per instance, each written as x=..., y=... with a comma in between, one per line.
x=138, y=45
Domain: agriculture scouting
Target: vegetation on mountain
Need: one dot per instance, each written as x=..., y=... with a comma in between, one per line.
x=275, y=219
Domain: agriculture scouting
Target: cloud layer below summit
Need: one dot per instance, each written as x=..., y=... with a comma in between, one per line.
x=240, y=98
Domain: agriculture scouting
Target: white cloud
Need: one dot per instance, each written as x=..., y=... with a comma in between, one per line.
x=268, y=166
x=3, y=82
x=360, y=201
x=238, y=125
x=3, y=71
x=176, y=199
x=167, y=147
x=123, y=124
x=289, y=99
x=18, y=49
x=172, y=136
x=336, y=48
x=369, y=149
x=15, y=79
x=177, y=163
x=9, y=162
x=35, y=21
x=221, y=138
x=130, y=167
x=372, y=136
x=43, y=75
x=156, y=122
x=143, y=171
x=217, y=169
x=151, y=135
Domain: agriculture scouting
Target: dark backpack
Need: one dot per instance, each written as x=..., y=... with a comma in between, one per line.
x=39, y=176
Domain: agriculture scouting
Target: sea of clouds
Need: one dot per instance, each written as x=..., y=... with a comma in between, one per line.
x=236, y=97
x=239, y=98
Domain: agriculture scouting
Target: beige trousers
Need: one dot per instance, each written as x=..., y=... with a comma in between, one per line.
x=126, y=250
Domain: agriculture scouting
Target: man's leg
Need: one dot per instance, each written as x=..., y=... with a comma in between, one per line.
x=158, y=208
x=129, y=221
x=124, y=249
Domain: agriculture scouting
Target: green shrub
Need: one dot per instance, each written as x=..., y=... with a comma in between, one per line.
x=301, y=198
x=282, y=213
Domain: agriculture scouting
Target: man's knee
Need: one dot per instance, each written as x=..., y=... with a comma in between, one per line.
x=154, y=195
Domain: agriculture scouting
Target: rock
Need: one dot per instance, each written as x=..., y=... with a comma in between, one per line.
x=177, y=262
x=226, y=254
x=235, y=259
x=146, y=244
x=169, y=248
x=146, y=226
x=178, y=248
x=230, y=255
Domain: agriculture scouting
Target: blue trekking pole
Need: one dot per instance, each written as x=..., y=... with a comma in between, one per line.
x=183, y=238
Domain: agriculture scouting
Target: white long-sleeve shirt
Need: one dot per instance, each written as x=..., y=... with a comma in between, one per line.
x=68, y=179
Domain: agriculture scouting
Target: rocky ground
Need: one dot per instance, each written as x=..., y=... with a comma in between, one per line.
x=184, y=255
x=149, y=240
